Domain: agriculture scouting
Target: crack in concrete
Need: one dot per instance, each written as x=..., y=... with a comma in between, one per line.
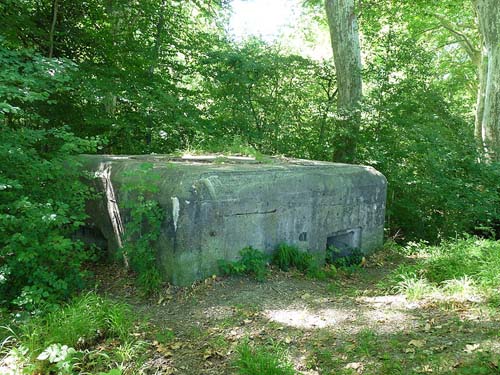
x=254, y=213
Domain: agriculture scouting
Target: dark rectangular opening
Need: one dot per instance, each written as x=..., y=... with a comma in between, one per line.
x=344, y=242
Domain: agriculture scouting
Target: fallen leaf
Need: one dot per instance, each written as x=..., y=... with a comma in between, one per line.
x=175, y=345
x=417, y=343
x=356, y=366
x=469, y=348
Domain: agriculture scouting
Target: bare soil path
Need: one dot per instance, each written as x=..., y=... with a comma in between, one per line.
x=348, y=325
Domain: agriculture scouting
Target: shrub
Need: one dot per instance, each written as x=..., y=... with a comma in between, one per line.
x=41, y=206
x=42, y=196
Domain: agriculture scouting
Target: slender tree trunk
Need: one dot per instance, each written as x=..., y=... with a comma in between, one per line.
x=344, y=33
x=157, y=45
x=155, y=58
x=116, y=19
x=489, y=112
x=481, y=94
x=55, y=6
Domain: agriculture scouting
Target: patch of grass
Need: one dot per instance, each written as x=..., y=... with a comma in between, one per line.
x=459, y=267
x=64, y=338
x=461, y=288
x=164, y=336
x=79, y=324
x=287, y=256
x=367, y=342
x=482, y=364
x=414, y=288
x=262, y=360
x=253, y=262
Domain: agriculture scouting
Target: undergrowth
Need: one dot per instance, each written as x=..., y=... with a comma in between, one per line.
x=460, y=268
x=255, y=263
x=142, y=229
x=89, y=335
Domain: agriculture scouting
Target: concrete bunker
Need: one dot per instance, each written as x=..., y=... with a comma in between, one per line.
x=215, y=206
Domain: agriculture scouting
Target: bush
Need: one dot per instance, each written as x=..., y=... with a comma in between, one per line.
x=42, y=196
x=41, y=206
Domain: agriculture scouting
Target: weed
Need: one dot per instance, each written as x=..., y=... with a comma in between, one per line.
x=460, y=288
x=142, y=229
x=260, y=360
x=349, y=262
x=415, y=288
x=253, y=262
x=367, y=342
x=165, y=336
x=460, y=267
x=287, y=256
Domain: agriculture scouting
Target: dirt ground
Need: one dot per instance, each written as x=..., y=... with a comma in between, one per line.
x=345, y=325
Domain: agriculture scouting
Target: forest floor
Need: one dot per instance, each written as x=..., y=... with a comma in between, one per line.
x=348, y=325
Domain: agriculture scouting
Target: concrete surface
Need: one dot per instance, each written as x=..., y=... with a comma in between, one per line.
x=215, y=206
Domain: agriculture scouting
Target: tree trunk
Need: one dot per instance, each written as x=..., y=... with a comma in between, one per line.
x=489, y=112
x=343, y=25
x=55, y=6
x=481, y=94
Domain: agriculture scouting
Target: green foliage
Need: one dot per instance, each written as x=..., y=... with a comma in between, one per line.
x=456, y=267
x=287, y=256
x=59, y=341
x=415, y=135
x=142, y=228
x=253, y=262
x=352, y=260
x=483, y=363
x=259, y=360
x=42, y=194
x=273, y=101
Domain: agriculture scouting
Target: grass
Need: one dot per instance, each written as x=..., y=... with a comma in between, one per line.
x=252, y=261
x=460, y=268
x=262, y=360
x=255, y=263
x=453, y=330
x=65, y=339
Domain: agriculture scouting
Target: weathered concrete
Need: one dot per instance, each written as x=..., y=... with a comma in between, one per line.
x=216, y=207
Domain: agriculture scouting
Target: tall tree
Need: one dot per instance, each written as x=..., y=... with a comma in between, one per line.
x=489, y=96
x=343, y=25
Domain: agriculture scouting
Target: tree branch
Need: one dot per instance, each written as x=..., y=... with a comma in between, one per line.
x=465, y=42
